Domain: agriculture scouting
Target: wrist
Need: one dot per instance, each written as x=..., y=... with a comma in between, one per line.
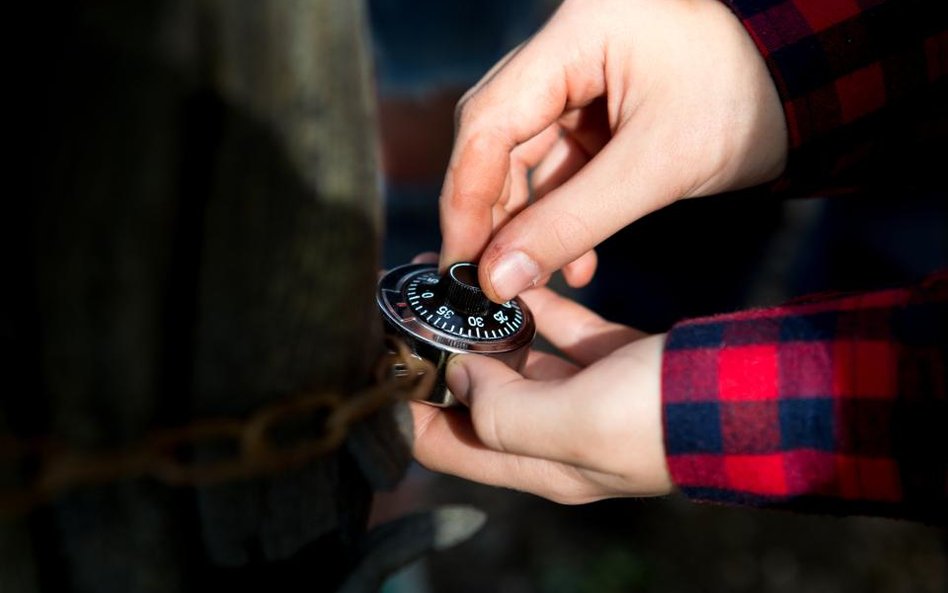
x=647, y=408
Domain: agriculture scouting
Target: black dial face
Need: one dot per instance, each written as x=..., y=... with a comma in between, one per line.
x=427, y=297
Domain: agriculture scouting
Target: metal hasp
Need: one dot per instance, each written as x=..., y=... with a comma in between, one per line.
x=438, y=316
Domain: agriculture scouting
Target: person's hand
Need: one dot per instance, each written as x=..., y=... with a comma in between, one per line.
x=619, y=107
x=573, y=431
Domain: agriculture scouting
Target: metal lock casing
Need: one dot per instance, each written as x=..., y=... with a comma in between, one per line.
x=438, y=316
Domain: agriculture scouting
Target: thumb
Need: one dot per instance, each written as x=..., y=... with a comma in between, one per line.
x=497, y=397
x=471, y=376
x=512, y=414
x=626, y=180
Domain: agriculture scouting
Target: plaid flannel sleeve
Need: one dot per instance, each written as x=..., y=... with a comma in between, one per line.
x=836, y=405
x=864, y=84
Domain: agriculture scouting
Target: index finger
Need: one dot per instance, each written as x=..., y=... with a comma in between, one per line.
x=518, y=101
x=578, y=332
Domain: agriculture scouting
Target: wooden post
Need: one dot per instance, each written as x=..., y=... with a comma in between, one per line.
x=202, y=239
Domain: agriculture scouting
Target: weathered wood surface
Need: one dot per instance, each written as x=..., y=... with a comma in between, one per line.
x=201, y=238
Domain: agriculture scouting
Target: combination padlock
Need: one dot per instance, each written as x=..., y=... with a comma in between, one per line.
x=438, y=316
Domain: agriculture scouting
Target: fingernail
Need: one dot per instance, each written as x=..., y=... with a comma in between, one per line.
x=514, y=273
x=456, y=377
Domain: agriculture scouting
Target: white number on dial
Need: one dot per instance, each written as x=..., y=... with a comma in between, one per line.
x=475, y=321
x=445, y=312
x=500, y=317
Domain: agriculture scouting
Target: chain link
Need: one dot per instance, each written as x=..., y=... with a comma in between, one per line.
x=399, y=375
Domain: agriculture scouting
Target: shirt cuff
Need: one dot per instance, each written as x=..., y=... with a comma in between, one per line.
x=831, y=405
x=851, y=77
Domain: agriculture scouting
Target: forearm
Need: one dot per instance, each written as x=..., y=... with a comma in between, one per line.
x=834, y=405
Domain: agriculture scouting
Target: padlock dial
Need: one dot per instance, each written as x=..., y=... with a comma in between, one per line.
x=439, y=316
x=450, y=312
x=456, y=305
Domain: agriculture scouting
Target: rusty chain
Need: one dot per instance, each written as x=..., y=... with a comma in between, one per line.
x=399, y=375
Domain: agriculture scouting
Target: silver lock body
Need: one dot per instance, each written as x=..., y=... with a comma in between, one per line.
x=419, y=319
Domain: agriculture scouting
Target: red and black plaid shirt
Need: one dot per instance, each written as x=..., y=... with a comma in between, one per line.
x=838, y=404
